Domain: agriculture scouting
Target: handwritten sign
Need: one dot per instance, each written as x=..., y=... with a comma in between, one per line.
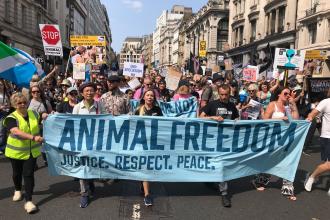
x=250, y=73
x=318, y=88
x=134, y=83
x=79, y=71
x=133, y=69
x=172, y=78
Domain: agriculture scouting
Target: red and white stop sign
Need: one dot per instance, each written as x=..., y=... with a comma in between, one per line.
x=50, y=34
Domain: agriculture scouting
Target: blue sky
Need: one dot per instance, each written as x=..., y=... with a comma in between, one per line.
x=138, y=17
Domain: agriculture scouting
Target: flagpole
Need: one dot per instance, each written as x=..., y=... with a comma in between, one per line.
x=67, y=65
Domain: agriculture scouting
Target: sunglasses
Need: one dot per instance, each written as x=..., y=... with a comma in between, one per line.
x=147, y=84
x=21, y=103
x=286, y=93
x=37, y=91
x=251, y=91
x=73, y=93
x=65, y=86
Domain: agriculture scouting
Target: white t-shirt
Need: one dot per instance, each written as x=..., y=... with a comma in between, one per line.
x=324, y=108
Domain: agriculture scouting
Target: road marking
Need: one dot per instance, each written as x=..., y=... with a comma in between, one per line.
x=136, y=211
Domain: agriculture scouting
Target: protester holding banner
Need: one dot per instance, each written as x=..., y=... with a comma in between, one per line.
x=283, y=108
x=183, y=91
x=324, y=108
x=115, y=101
x=219, y=110
x=264, y=94
x=148, y=107
x=23, y=147
x=87, y=107
x=164, y=93
x=252, y=108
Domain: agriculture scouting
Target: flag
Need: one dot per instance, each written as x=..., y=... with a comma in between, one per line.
x=40, y=71
x=15, y=67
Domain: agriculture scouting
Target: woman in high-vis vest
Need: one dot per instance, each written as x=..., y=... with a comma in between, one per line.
x=23, y=147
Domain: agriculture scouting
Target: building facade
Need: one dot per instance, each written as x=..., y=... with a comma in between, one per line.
x=209, y=24
x=131, y=51
x=19, y=24
x=255, y=23
x=163, y=34
x=147, y=44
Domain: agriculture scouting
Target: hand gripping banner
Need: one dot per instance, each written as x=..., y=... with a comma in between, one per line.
x=171, y=149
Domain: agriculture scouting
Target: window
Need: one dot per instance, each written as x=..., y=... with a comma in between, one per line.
x=56, y=4
x=253, y=30
x=7, y=10
x=24, y=16
x=312, y=29
x=281, y=19
x=272, y=22
x=38, y=21
x=222, y=34
x=15, y=12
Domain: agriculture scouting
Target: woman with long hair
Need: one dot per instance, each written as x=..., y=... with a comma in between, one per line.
x=283, y=108
x=148, y=107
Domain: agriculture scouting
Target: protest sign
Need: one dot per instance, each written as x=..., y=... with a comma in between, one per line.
x=134, y=83
x=172, y=78
x=289, y=59
x=95, y=48
x=202, y=48
x=51, y=39
x=186, y=108
x=314, y=61
x=250, y=73
x=228, y=64
x=318, y=88
x=253, y=112
x=79, y=71
x=171, y=149
x=133, y=69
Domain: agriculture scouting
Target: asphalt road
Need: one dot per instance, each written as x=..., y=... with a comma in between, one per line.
x=58, y=198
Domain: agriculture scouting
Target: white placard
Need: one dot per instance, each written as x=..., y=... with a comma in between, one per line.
x=133, y=69
x=254, y=110
x=51, y=39
x=289, y=59
x=134, y=83
x=79, y=71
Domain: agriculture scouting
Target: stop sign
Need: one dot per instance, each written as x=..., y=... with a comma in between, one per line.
x=50, y=34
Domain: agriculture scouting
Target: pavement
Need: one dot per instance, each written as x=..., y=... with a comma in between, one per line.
x=58, y=198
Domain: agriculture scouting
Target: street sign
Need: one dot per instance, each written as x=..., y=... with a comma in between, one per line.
x=51, y=39
x=202, y=48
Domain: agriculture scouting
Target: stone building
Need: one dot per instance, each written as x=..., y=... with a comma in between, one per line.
x=255, y=23
x=19, y=24
x=131, y=51
x=147, y=50
x=209, y=24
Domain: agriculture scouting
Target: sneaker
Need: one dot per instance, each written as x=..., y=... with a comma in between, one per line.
x=309, y=183
x=17, y=196
x=148, y=200
x=30, y=207
x=84, y=201
x=226, y=201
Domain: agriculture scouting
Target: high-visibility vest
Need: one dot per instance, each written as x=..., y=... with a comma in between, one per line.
x=19, y=148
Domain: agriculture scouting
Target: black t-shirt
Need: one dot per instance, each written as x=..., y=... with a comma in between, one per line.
x=154, y=111
x=64, y=107
x=218, y=108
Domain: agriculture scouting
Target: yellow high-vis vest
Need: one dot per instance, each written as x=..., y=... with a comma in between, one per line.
x=19, y=148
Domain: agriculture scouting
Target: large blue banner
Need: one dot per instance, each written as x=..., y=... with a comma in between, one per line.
x=186, y=108
x=171, y=149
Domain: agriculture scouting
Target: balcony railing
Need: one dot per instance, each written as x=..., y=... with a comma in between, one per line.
x=311, y=11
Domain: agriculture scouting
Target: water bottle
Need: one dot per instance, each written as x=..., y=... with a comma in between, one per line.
x=288, y=112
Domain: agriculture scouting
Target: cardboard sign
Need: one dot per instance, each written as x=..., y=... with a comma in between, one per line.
x=314, y=62
x=316, y=54
x=228, y=64
x=289, y=59
x=133, y=69
x=79, y=71
x=134, y=83
x=250, y=73
x=51, y=39
x=172, y=78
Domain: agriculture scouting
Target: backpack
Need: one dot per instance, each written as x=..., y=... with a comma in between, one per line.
x=3, y=134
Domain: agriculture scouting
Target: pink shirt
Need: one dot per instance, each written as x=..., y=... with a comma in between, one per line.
x=177, y=97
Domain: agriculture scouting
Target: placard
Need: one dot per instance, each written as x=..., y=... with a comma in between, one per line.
x=314, y=61
x=289, y=59
x=318, y=88
x=51, y=39
x=172, y=78
x=79, y=71
x=134, y=83
x=202, y=48
x=133, y=69
x=250, y=73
